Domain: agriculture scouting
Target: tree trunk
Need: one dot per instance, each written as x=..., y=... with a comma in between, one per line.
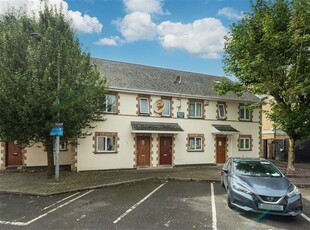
x=50, y=158
x=291, y=156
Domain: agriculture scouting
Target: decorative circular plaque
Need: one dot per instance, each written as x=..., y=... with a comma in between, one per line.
x=159, y=106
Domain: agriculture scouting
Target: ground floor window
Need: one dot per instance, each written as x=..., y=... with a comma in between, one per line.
x=63, y=145
x=245, y=143
x=195, y=142
x=105, y=142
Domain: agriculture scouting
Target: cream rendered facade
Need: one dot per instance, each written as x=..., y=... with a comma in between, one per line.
x=83, y=157
x=126, y=153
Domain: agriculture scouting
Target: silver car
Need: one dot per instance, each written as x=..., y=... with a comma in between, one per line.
x=259, y=186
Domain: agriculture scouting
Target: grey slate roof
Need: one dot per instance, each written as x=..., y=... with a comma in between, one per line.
x=140, y=78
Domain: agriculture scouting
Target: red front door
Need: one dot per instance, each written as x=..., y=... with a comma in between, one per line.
x=165, y=157
x=220, y=150
x=143, y=151
x=14, y=155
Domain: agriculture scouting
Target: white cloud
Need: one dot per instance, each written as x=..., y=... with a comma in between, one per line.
x=137, y=26
x=85, y=23
x=81, y=23
x=144, y=6
x=112, y=41
x=204, y=38
x=230, y=13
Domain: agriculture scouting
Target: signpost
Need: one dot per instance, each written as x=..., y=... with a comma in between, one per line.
x=57, y=131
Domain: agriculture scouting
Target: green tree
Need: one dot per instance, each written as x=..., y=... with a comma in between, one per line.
x=35, y=51
x=268, y=51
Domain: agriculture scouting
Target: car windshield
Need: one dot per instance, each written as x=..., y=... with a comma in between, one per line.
x=256, y=169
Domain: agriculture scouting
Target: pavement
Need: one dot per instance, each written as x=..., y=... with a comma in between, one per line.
x=35, y=182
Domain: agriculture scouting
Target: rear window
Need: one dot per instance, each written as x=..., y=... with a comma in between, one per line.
x=256, y=169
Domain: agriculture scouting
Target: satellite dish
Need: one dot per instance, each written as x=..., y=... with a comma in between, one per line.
x=178, y=80
x=159, y=106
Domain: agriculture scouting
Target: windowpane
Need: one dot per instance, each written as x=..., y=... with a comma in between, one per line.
x=166, y=111
x=198, y=143
x=244, y=143
x=247, y=114
x=63, y=146
x=195, y=109
x=247, y=143
x=195, y=143
x=110, y=103
x=192, y=109
x=191, y=143
x=110, y=143
x=221, y=110
x=198, y=109
x=244, y=113
x=100, y=144
x=144, y=105
x=106, y=143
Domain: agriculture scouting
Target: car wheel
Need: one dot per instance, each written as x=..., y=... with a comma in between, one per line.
x=230, y=205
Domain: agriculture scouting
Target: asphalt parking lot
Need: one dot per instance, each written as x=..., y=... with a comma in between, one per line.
x=144, y=205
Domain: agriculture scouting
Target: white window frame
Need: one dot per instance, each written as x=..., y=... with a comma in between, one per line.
x=110, y=105
x=244, y=113
x=242, y=143
x=63, y=145
x=195, y=103
x=167, y=103
x=221, y=109
x=140, y=105
x=106, y=148
x=196, y=141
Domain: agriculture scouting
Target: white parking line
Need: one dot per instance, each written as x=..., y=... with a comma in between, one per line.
x=306, y=217
x=45, y=214
x=214, y=219
x=66, y=198
x=137, y=204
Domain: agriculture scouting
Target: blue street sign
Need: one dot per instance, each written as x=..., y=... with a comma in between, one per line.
x=57, y=130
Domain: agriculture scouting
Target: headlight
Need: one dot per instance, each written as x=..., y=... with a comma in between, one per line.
x=293, y=191
x=239, y=187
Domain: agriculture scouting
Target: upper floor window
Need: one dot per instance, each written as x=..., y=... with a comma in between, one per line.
x=221, y=111
x=167, y=106
x=110, y=103
x=195, y=109
x=144, y=105
x=245, y=143
x=244, y=113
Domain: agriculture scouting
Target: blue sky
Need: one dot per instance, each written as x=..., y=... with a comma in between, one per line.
x=176, y=34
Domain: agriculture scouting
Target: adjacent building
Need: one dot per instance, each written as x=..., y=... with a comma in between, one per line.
x=156, y=118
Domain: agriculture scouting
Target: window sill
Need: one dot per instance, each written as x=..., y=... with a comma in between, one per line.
x=106, y=152
x=198, y=118
x=243, y=150
x=195, y=151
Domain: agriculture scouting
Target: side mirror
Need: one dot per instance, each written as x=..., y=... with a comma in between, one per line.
x=225, y=170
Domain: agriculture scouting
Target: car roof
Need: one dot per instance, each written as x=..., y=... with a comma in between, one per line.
x=247, y=159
